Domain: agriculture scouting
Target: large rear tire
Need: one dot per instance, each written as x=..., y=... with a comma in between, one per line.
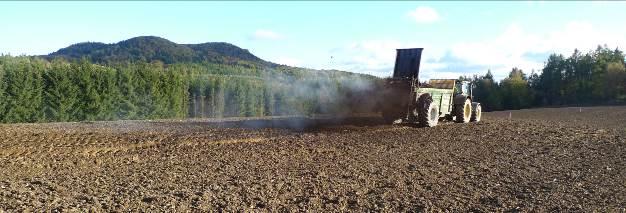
x=428, y=113
x=463, y=112
x=476, y=112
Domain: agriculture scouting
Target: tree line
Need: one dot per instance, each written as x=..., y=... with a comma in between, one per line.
x=37, y=90
x=33, y=89
x=595, y=77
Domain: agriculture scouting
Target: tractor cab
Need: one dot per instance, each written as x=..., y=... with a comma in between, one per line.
x=463, y=88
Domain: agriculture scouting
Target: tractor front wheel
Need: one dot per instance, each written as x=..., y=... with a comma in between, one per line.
x=476, y=112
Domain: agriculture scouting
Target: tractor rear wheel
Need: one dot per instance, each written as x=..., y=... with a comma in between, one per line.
x=463, y=112
x=428, y=112
x=476, y=112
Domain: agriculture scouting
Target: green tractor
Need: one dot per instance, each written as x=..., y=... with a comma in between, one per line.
x=406, y=100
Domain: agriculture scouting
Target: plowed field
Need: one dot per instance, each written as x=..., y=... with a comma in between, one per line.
x=561, y=159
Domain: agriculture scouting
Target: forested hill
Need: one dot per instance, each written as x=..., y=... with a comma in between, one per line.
x=152, y=48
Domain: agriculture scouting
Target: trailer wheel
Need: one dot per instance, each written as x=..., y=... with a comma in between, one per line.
x=428, y=114
x=476, y=112
x=463, y=112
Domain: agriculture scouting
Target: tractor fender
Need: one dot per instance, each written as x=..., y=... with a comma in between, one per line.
x=475, y=104
x=460, y=99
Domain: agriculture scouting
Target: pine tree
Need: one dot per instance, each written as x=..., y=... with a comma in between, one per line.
x=24, y=87
x=86, y=79
x=126, y=107
x=60, y=93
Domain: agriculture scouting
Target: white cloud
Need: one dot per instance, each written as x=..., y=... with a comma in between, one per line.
x=502, y=53
x=513, y=47
x=424, y=15
x=263, y=34
x=582, y=35
x=377, y=57
x=288, y=61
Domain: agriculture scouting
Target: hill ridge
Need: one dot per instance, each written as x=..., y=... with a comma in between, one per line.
x=154, y=48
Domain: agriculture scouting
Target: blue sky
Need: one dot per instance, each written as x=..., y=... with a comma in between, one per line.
x=460, y=38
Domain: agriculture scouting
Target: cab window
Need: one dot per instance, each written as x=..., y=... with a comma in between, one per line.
x=465, y=88
x=461, y=88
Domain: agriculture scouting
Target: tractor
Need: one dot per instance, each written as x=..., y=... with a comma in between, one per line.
x=405, y=99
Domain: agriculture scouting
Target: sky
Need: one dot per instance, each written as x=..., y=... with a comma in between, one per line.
x=458, y=37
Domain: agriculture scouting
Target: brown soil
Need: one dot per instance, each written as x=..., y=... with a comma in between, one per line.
x=540, y=160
